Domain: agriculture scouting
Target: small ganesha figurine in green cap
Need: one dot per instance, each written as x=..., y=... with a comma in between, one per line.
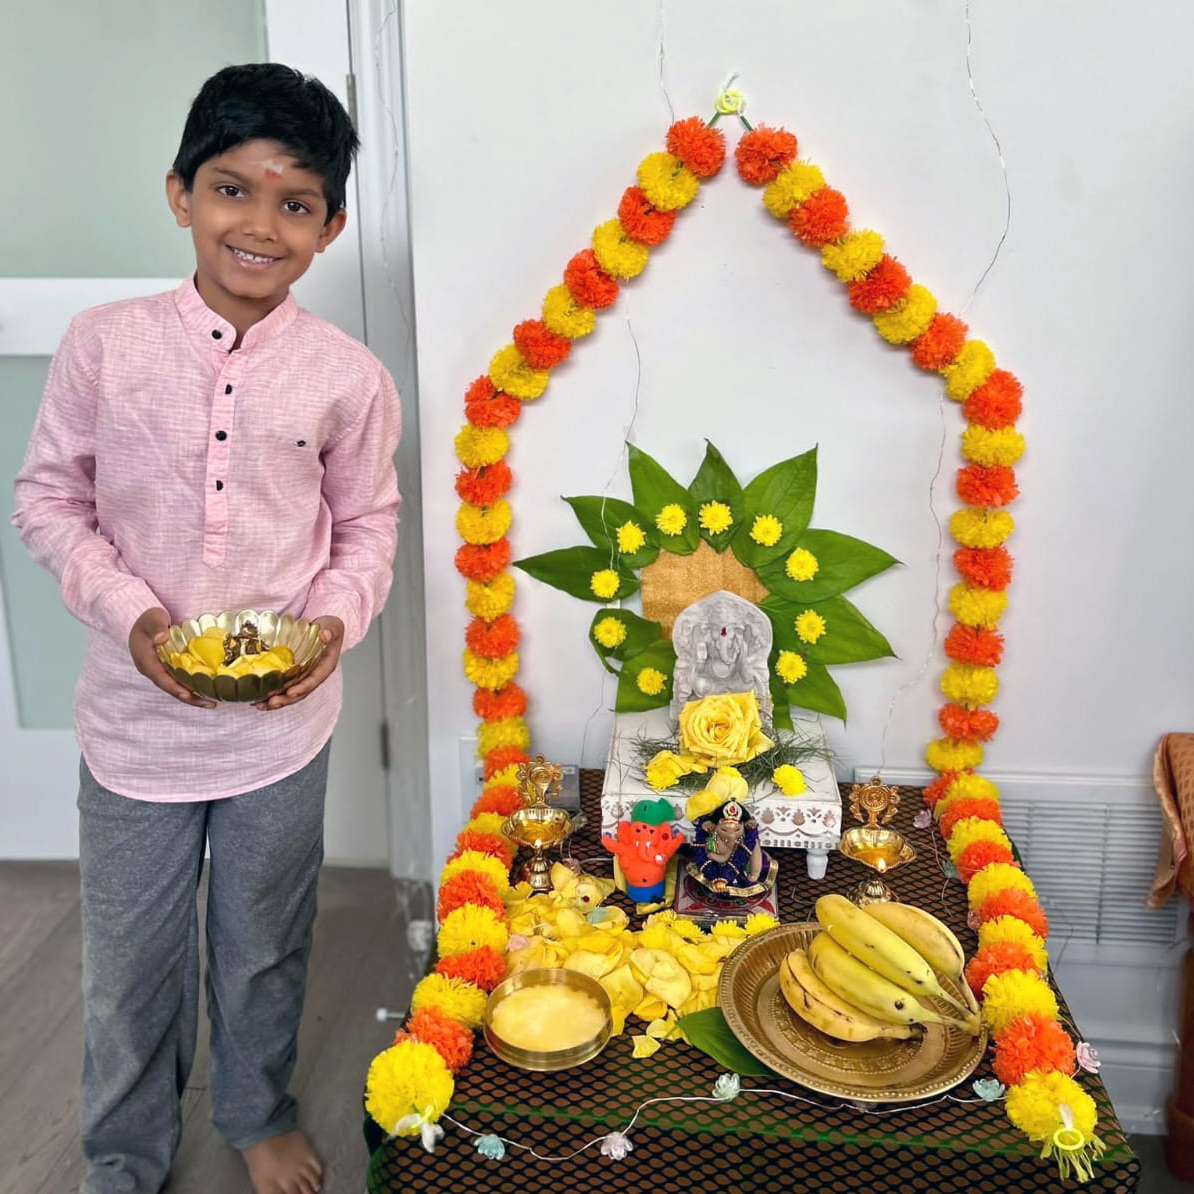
x=644, y=846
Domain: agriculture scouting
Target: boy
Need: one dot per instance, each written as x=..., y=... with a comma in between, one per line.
x=211, y=448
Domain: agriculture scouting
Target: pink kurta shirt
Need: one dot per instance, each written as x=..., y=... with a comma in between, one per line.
x=167, y=469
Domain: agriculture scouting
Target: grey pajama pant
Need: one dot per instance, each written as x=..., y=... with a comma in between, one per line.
x=140, y=864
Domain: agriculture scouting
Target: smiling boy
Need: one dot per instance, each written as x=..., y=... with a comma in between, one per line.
x=213, y=447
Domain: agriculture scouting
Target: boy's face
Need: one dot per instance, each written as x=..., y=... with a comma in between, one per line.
x=257, y=220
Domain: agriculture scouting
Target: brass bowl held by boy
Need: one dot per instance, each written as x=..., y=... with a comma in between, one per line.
x=240, y=655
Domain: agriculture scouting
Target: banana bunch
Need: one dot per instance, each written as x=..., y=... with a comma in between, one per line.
x=869, y=971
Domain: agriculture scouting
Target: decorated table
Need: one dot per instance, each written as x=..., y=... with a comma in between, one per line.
x=673, y=1131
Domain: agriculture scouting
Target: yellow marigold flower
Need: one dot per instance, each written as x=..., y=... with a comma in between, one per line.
x=1034, y=1106
x=564, y=316
x=759, y=922
x=856, y=254
x=475, y=860
x=987, y=447
x=789, y=780
x=616, y=253
x=953, y=754
x=969, y=686
x=509, y=371
x=668, y=184
x=671, y=520
x=729, y=928
x=802, y=565
x=999, y=876
x=1015, y=994
x=454, y=997
x=973, y=527
x=506, y=778
x=766, y=530
x=968, y=370
x=1013, y=929
x=487, y=823
x=791, y=187
x=790, y=667
x=715, y=517
x=651, y=681
x=489, y=600
x=974, y=829
x=483, y=524
x=605, y=583
x=810, y=626
x=508, y=731
x=469, y=927
x=977, y=607
x=630, y=538
x=690, y=931
x=904, y=321
x=409, y=1078
x=490, y=673
x=479, y=446
x=967, y=786
x=610, y=632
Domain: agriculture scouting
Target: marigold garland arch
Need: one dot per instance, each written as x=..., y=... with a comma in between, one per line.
x=1034, y=1056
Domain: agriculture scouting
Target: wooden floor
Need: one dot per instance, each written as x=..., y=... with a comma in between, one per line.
x=360, y=961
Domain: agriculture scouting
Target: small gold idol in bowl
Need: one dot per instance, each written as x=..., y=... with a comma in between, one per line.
x=538, y=825
x=875, y=846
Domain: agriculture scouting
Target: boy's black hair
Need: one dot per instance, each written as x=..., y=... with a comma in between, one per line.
x=271, y=102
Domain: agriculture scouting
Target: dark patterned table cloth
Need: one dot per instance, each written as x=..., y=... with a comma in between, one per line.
x=755, y=1142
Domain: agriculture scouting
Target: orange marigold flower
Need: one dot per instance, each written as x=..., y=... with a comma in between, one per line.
x=821, y=218
x=1032, y=1042
x=986, y=567
x=483, y=966
x=941, y=342
x=501, y=757
x=644, y=223
x=483, y=486
x=481, y=390
x=1017, y=903
x=980, y=854
x=937, y=789
x=588, y=283
x=509, y=701
x=482, y=561
x=493, y=640
x=452, y=1040
x=994, y=486
x=468, y=887
x=539, y=345
x=501, y=798
x=959, y=810
x=763, y=153
x=997, y=958
x=499, y=411
x=996, y=403
x=486, y=843
x=974, y=645
x=887, y=283
x=958, y=722
x=701, y=148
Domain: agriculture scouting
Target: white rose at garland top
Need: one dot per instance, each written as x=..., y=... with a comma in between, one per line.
x=811, y=822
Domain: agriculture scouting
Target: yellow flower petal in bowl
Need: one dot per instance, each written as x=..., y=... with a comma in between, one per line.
x=644, y=1046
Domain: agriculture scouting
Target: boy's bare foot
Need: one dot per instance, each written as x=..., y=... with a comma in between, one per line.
x=284, y=1164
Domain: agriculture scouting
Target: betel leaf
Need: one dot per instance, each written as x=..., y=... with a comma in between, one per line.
x=639, y=634
x=572, y=568
x=842, y=563
x=659, y=655
x=715, y=482
x=817, y=691
x=708, y=1031
x=781, y=712
x=654, y=488
x=600, y=518
x=785, y=491
x=848, y=636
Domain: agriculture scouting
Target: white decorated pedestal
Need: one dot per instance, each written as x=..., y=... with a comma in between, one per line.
x=811, y=822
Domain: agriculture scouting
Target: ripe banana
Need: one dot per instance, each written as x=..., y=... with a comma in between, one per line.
x=930, y=937
x=858, y=984
x=825, y=1010
x=876, y=946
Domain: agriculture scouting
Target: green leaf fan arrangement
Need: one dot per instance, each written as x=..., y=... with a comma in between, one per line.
x=796, y=574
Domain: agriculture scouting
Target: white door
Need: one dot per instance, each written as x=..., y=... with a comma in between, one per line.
x=102, y=91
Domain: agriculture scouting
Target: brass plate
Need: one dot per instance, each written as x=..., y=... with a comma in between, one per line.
x=867, y=1072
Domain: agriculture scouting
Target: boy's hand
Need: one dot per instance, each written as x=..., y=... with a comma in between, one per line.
x=331, y=630
x=148, y=631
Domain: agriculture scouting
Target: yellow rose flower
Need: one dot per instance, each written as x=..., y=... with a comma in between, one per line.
x=671, y=520
x=810, y=626
x=604, y=583
x=790, y=667
x=610, y=632
x=723, y=729
x=766, y=530
x=630, y=538
x=789, y=780
x=802, y=565
x=651, y=681
x=715, y=517
x=728, y=784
